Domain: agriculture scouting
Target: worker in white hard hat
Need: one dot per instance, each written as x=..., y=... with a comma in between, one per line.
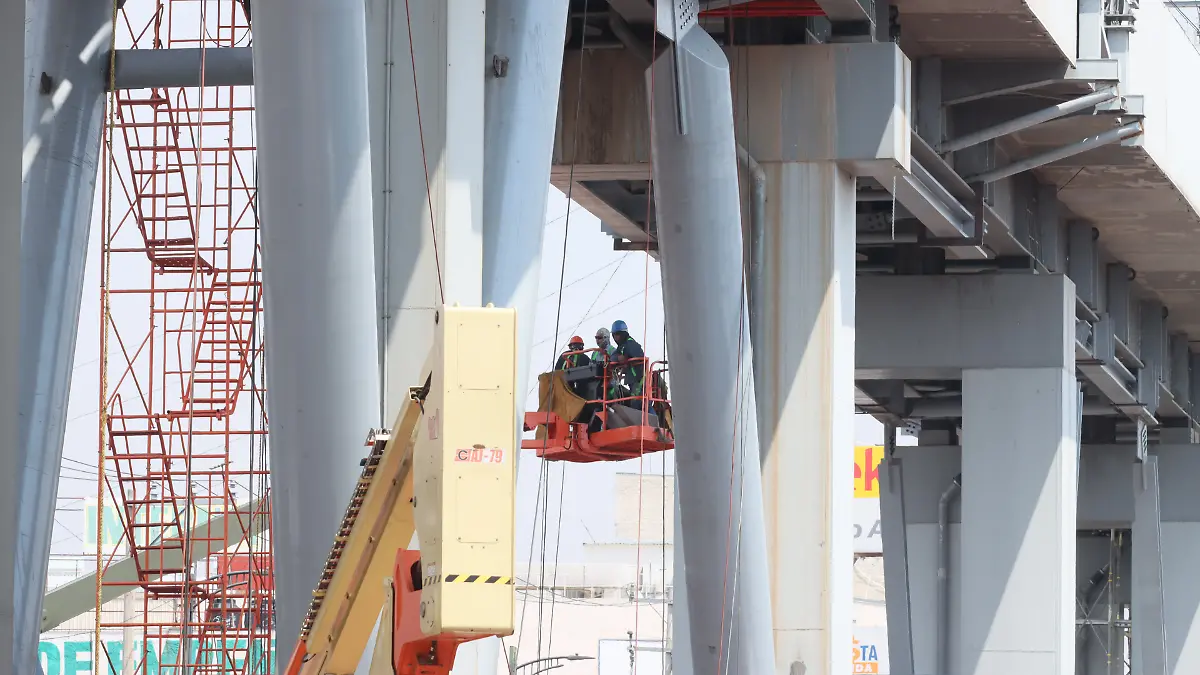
x=605, y=345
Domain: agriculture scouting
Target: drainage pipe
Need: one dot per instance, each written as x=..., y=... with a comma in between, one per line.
x=943, y=575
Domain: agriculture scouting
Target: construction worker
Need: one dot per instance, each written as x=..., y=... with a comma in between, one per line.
x=604, y=342
x=629, y=352
x=574, y=357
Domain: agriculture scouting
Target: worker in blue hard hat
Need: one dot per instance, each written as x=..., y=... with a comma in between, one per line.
x=627, y=381
x=605, y=347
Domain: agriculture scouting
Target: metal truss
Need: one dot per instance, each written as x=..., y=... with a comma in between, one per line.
x=185, y=439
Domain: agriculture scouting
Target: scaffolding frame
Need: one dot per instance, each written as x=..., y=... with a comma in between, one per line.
x=183, y=437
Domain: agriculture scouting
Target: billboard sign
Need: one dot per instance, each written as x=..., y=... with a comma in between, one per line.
x=166, y=522
x=867, y=532
x=870, y=650
x=72, y=655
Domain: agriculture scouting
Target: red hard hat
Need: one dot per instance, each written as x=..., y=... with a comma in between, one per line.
x=575, y=339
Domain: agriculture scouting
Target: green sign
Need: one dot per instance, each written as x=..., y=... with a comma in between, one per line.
x=168, y=523
x=72, y=657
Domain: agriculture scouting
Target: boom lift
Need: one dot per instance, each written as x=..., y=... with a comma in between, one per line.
x=445, y=471
x=589, y=413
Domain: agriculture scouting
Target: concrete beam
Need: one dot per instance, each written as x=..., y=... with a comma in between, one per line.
x=79, y=597
x=182, y=67
x=940, y=325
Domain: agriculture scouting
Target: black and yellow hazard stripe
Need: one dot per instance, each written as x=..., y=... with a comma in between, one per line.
x=466, y=579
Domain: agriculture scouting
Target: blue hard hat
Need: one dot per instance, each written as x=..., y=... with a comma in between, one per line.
x=619, y=327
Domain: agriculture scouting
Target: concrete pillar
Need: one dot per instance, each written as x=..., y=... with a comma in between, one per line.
x=921, y=474
x=1180, y=514
x=62, y=141
x=681, y=641
x=897, y=594
x=319, y=278
x=804, y=354
x=695, y=178
x=12, y=42
x=796, y=118
x=1019, y=506
x=427, y=140
x=522, y=108
x=1150, y=628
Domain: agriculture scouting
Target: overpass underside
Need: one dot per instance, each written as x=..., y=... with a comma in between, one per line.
x=983, y=215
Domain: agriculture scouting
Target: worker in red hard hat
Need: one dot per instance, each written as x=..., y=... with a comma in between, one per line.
x=574, y=357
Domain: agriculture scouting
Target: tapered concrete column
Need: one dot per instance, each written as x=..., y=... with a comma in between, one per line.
x=804, y=353
x=695, y=178
x=12, y=42
x=681, y=641
x=319, y=277
x=522, y=107
x=62, y=144
x=1018, y=508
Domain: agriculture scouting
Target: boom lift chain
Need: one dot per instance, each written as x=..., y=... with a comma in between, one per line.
x=378, y=442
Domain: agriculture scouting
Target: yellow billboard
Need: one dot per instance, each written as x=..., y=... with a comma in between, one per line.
x=866, y=470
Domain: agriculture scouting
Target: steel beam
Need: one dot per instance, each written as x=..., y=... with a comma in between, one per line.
x=318, y=275
x=64, y=112
x=972, y=80
x=181, y=67
x=703, y=287
x=12, y=80
x=1064, y=152
x=1012, y=126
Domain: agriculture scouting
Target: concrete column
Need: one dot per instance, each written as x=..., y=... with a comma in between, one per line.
x=921, y=475
x=1019, y=506
x=695, y=178
x=62, y=144
x=804, y=358
x=1150, y=628
x=522, y=109
x=427, y=98
x=12, y=42
x=319, y=277
x=897, y=593
x=801, y=117
x=1180, y=513
x=681, y=641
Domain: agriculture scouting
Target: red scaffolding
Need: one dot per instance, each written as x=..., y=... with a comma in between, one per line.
x=183, y=443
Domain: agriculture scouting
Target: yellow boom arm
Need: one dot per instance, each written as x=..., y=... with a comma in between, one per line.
x=446, y=470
